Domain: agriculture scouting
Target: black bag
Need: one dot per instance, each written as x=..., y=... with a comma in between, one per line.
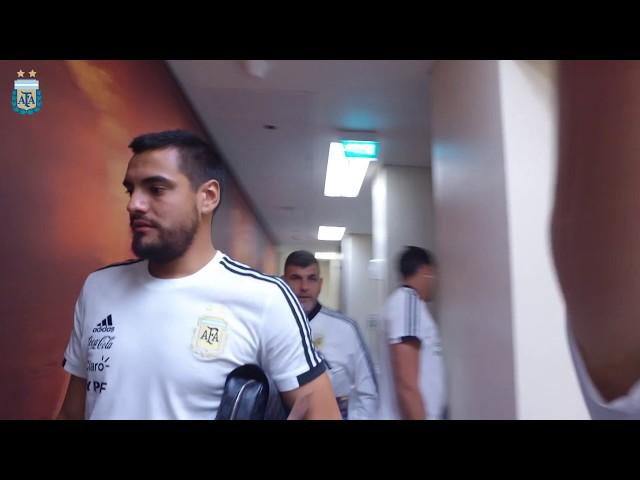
x=250, y=395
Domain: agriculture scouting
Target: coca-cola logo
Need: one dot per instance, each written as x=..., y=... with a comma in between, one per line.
x=102, y=343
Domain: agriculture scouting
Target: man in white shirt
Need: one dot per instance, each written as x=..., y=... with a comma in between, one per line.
x=338, y=340
x=156, y=337
x=412, y=383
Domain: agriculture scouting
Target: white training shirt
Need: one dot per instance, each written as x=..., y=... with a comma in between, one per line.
x=153, y=348
x=626, y=407
x=342, y=347
x=406, y=316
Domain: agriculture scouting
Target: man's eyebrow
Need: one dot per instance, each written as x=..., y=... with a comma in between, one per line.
x=151, y=180
x=158, y=179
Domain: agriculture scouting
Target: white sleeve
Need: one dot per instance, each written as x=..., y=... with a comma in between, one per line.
x=288, y=355
x=363, y=401
x=626, y=407
x=75, y=355
x=403, y=318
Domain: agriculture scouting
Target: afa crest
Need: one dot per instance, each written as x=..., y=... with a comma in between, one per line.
x=210, y=335
x=318, y=341
x=27, y=96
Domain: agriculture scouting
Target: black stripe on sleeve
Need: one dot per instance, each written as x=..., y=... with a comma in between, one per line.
x=305, y=341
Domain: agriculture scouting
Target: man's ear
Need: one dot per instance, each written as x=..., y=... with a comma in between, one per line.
x=209, y=196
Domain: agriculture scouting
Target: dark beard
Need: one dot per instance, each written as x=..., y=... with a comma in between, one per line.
x=172, y=244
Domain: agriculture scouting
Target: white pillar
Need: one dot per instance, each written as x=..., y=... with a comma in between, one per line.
x=499, y=305
x=359, y=288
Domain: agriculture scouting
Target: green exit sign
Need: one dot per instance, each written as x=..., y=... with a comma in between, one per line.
x=360, y=149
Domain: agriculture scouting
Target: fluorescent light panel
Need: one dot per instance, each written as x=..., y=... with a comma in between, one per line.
x=328, y=256
x=345, y=175
x=330, y=233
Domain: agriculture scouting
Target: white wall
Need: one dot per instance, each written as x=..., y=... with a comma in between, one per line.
x=409, y=213
x=359, y=288
x=331, y=272
x=546, y=384
x=471, y=241
x=379, y=232
x=402, y=215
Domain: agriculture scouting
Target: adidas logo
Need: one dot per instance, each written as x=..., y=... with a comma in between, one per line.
x=105, y=325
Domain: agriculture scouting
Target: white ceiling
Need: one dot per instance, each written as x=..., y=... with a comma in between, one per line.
x=309, y=102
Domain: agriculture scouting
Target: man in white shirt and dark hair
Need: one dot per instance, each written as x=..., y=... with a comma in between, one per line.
x=337, y=338
x=156, y=337
x=412, y=380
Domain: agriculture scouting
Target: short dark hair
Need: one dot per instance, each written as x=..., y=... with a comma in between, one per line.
x=199, y=161
x=300, y=258
x=412, y=258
